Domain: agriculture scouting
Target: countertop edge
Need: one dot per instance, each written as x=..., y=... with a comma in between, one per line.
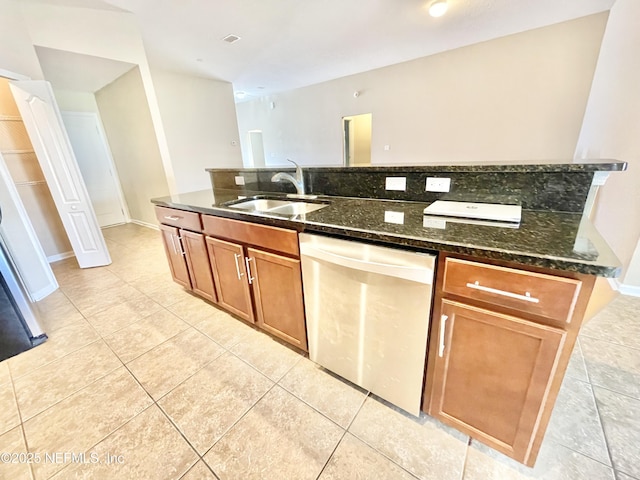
x=550, y=262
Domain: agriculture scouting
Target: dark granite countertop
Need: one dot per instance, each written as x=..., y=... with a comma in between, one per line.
x=556, y=240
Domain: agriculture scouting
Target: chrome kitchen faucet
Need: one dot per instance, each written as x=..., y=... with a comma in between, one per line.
x=298, y=181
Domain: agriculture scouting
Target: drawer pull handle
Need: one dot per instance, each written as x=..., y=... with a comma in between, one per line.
x=526, y=297
x=249, y=277
x=443, y=327
x=175, y=218
x=236, y=256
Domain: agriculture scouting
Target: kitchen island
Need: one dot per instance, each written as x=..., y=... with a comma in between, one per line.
x=508, y=302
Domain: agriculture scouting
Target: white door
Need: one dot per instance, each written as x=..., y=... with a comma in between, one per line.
x=96, y=166
x=43, y=122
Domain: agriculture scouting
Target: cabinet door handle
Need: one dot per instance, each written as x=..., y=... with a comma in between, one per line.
x=526, y=297
x=175, y=218
x=443, y=327
x=182, y=252
x=246, y=262
x=236, y=256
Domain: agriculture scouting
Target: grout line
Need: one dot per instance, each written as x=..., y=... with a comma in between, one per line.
x=604, y=340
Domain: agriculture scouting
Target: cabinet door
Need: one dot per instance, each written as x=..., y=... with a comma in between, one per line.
x=492, y=375
x=175, y=255
x=277, y=289
x=198, y=263
x=228, y=266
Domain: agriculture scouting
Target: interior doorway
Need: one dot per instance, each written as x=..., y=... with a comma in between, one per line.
x=96, y=166
x=256, y=147
x=357, y=140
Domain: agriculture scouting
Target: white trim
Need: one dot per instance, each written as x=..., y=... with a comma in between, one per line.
x=60, y=256
x=43, y=292
x=145, y=224
x=13, y=75
x=631, y=290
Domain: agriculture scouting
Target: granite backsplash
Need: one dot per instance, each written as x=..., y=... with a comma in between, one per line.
x=553, y=187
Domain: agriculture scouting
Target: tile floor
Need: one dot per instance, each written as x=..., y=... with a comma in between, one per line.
x=158, y=384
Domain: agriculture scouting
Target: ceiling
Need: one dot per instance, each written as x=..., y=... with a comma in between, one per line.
x=287, y=44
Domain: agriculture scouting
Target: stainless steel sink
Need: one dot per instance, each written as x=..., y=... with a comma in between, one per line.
x=283, y=207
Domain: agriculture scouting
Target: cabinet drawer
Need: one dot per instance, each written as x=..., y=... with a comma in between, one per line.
x=179, y=218
x=271, y=238
x=536, y=293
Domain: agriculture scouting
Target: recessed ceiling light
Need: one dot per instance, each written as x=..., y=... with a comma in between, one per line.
x=438, y=8
x=240, y=94
x=231, y=38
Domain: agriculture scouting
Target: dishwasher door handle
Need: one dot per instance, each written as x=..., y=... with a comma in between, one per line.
x=416, y=274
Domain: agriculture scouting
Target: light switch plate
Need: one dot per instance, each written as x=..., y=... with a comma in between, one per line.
x=396, y=183
x=437, y=184
x=239, y=180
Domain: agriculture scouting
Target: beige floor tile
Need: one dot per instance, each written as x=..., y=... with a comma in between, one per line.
x=5, y=377
x=169, y=364
x=12, y=442
x=192, y=309
x=119, y=316
x=140, y=337
x=199, y=472
x=555, y=462
x=612, y=366
x=423, y=446
x=59, y=379
x=9, y=416
x=577, y=368
x=82, y=420
x=225, y=329
x=150, y=449
x=281, y=437
x=266, y=355
x=355, y=459
x=606, y=325
x=327, y=393
x=621, y=420
x=61, y=342
x=209, y=403
x=622, y=476
x=148, y=282
x=168, y=294
x=56, y=311
x=97, y=301
x=575, y=422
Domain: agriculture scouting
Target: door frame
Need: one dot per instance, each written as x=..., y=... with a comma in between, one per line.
x=105, y=144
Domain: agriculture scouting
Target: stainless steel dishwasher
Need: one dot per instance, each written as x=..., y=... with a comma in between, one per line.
x=368, y=311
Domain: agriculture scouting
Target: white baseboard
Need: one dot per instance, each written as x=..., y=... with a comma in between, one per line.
x=631, y=290
x=60, y=256
x=43, y=292
x=145, y=224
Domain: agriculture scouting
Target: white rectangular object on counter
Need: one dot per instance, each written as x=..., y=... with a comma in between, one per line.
x=481, y=211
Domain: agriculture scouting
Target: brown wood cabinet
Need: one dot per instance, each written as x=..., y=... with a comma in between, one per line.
x=228, y=266
x=186, y=251
x=497, y=354
x=277, y=289
x=175, y=255
x=257, y=275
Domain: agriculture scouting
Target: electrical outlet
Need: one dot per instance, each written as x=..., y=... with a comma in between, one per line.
x=396, y=183
x=239, y=180
x=393, y=217
x=436, y=184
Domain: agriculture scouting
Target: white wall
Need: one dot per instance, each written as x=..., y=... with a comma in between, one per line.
x=514, y=99
x=129, y=129
x=199, y=120
x=101, y=33
x=17, y=54
x=72, y=101
x=611, y=129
